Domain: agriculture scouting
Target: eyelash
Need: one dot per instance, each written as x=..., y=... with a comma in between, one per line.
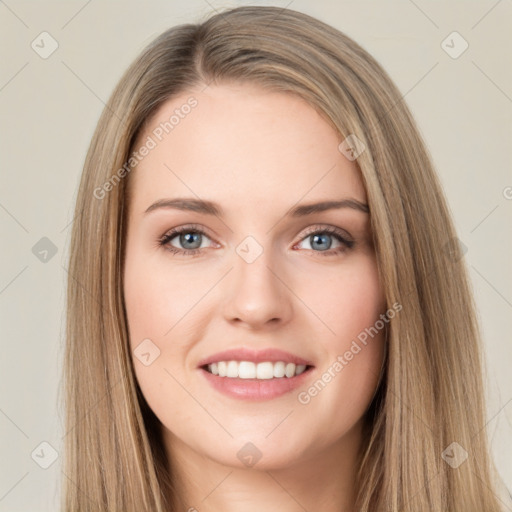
x=337, y=233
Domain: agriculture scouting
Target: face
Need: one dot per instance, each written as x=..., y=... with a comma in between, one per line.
x=253, y=271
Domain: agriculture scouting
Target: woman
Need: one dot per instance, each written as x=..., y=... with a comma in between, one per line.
x=258, y=369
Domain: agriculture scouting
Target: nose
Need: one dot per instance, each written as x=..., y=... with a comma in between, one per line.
x=256, y=293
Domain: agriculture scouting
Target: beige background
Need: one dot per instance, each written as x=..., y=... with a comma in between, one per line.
x=49, y=110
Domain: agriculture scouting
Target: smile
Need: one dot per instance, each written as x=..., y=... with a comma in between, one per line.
x=246, y=380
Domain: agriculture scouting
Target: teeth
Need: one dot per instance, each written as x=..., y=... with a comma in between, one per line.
x=279, y=369
x=250, y=370
x=222, y=368
x=232, y=369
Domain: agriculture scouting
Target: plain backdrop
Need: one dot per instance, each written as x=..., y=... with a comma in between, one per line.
x=49, y=109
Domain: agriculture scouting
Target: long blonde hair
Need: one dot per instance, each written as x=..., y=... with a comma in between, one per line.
x=431, y=393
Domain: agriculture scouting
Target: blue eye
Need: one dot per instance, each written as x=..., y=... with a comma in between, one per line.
x=191, y=238
x=322, y=239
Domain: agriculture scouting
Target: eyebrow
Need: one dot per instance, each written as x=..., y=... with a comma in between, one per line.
x=211, y=208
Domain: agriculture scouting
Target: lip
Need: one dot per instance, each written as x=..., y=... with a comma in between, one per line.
x=255, y=389
x=257, y=356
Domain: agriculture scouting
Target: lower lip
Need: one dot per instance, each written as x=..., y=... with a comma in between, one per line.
x=255, y=389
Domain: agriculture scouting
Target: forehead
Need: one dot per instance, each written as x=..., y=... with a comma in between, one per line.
x=241, y=145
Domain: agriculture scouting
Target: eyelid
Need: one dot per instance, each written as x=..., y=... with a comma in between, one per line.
x=172, y=233
x=328, y=229
x=185, y=228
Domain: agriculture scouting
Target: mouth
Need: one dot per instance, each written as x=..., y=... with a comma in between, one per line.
x=257, y=375
x=260, y=380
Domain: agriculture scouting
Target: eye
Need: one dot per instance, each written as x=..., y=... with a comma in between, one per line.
x=321, y=239
x=191, y=239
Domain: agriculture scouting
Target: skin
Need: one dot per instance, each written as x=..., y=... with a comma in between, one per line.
x=257, y=154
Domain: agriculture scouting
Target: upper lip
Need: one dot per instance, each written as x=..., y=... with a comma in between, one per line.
x=258, y=356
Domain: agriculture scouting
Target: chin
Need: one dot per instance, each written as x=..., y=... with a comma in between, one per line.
x=260, y=456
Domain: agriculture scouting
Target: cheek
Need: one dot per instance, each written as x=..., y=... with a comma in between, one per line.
x=158, y=298
x=164, y=307
x=352, y=340
x=156, y=304
x=349, y=301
